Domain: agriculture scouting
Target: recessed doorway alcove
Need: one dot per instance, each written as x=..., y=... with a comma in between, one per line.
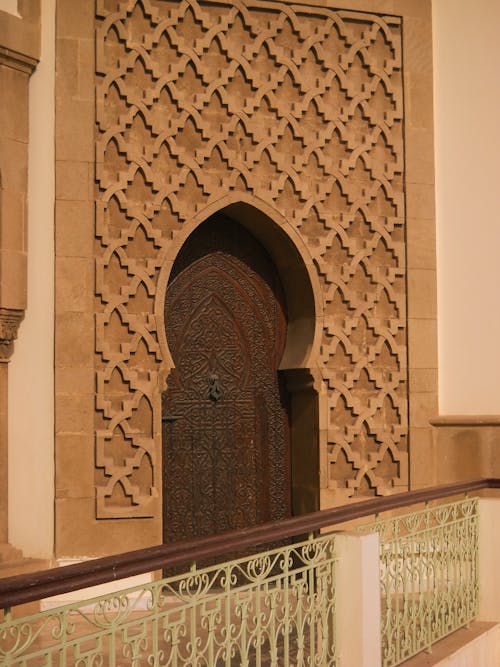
x=239, y=414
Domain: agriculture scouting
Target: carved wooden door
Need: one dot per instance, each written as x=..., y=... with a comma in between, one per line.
x=225, y=421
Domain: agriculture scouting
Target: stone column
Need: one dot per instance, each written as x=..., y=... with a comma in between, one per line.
x=357, y=593
x=9, y=324
x=19, y=54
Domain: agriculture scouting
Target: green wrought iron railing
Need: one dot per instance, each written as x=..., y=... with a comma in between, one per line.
x=273, y=605
x=272, y=608
x=428, y=576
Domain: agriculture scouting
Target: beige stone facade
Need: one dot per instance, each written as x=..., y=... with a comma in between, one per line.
x=310, y=128
x=310, y=124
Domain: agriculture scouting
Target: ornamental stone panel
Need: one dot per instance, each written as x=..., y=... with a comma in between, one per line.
x=298, y=109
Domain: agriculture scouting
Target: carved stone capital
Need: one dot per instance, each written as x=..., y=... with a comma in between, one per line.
x=9, y=325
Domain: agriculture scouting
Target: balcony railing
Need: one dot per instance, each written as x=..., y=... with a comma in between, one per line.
x=277, y=607
x=428, y=576
x=283, y=601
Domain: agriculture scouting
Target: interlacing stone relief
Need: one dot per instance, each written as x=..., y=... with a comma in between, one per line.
x=300, y=108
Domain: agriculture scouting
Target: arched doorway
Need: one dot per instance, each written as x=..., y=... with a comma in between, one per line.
x=226, y=435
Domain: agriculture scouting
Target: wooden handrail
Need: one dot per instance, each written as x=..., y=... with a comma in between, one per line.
x=56, y=581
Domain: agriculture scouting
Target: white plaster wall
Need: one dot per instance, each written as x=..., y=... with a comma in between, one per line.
x=31, y=371
x=467, y=144
x=489, y=557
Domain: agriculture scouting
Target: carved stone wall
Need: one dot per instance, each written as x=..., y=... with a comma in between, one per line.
x=302, y=108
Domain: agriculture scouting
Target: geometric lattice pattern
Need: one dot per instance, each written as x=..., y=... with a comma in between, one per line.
x=302, y=108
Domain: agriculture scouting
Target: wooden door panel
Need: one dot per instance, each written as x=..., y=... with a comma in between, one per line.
x=225, y=433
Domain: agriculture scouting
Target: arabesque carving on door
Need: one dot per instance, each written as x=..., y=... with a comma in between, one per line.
x=226, y=453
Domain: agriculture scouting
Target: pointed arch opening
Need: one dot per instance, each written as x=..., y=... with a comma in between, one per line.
x=240, y=413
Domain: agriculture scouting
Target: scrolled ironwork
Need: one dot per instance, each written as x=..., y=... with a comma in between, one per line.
x=428, y=565
x=272, y=608
x=428, y=576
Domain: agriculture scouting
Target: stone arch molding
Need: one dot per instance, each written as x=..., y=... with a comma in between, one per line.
x=292, y=260
x=299, y=109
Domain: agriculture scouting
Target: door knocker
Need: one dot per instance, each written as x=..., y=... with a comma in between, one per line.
x=214, y=387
